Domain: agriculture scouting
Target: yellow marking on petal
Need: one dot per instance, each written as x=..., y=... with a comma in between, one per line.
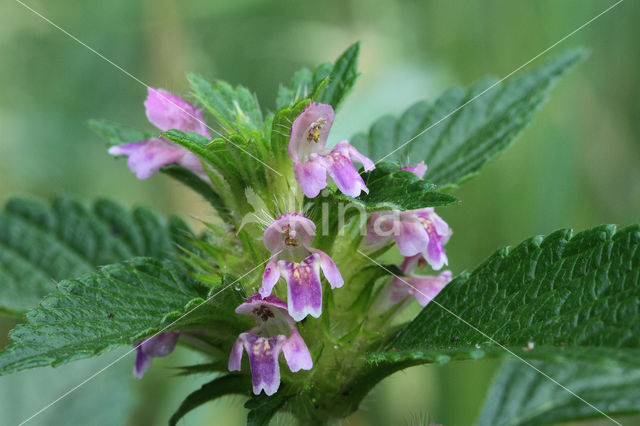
x=313, y=135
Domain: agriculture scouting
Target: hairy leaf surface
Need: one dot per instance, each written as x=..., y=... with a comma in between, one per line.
x=116, y=306
x=463, y=129
x=41, y=244
x=561, y=297
x=391, y=188
x=233, y=107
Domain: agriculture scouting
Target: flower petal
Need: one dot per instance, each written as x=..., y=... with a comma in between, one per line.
x=235, y=359
x=329, y=268
x=147, y=157
x=311, y=176
x=419, y=169
x=304, y=291
x=343, y=173
x=161, y=344
x=411, y=236
x=296, y=352
x=309, y=132
x=426, y=288
x=270, y=277
x=143, y=362
x=345, y=148
x=191, y=162
x=380, y=228
x=289, y=231
x=263, y=360
x=167, y=111
x=435, y=254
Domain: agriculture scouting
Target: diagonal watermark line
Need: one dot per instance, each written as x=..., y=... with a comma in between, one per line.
x=127, y=73
x=501, y=80
x=492, y=340
x=94, y=375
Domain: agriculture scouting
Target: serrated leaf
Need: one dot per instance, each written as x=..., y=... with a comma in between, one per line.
x=391, y=188
x=236, y=160
x=463, y=129
x=41, y=244
x=328, y=83
x=115, y=306
x=571, y=296
x=521, y=396
x=221, y=386
x=342, y=77
x=116, y=134
x=236, y=108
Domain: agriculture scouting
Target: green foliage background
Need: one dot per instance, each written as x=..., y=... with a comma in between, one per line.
x=575, y=166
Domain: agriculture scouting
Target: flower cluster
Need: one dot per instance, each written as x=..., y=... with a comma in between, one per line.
x=419, y=234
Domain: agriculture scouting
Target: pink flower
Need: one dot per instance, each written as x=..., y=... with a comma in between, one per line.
x=275, y=332
x=423, y=287
x=165, y=111
x=157, y=346
x=418, y=232
x=312, y=160
x=290, y=237
x=419, y=169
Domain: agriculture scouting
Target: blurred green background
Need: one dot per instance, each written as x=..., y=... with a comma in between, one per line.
x=575, y=166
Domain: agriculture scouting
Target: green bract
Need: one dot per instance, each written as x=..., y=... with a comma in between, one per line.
x=125, y=275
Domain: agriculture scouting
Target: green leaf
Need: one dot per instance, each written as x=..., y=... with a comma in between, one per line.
x=328, y=83
x=237, y=161
x=301, y=87
x=41, y=244
x=520, y=396
x=391, y=188
x=235, y=108
x=193, y=181
x=464, y=129
x=221, y=386
x=115, y=306
x=571, y=296
x=342, y=77
x=263, y=408
x=115, y=134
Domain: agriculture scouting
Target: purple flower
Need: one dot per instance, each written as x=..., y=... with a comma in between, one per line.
x=165, y=111
x=419, y=169
x=423, y=287
x=264, y=343
x=157, y=346
x=312, y=160
x=290, y=237
x=416, y=232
